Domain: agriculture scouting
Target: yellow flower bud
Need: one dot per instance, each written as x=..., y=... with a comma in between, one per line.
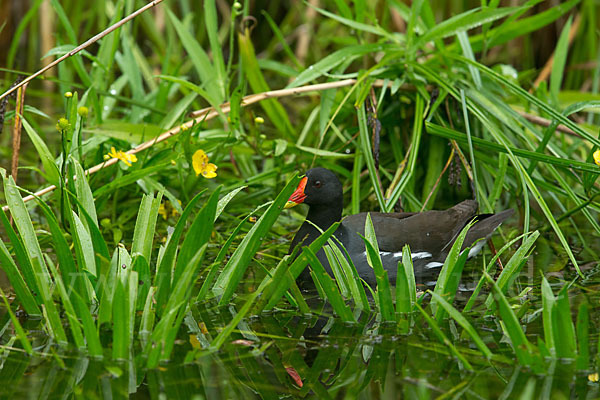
x=259, y=120
x=62, y=124
x=82, y=111
x=68, y=95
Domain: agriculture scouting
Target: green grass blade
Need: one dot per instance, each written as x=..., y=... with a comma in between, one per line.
x=514, y=265
x=359, y=26
x=52, y=174
x=583, y=337
x=406, y=288
x=462, y=321
x=444, y=339
x=355, y=284
x=367, y=152
x=226, y=199
x=210, y=18
x=148, y=316
x=76, y=59
x=18, y=328
x=214, y=268
x=565, y=340
x=120, y=348
x=100, y=247
x=84, y=248
x=74, y=323
x=463, y=22
x=274, y=110
x=476, y=182
x=162, y=279
x=177, y=112
x=224, y=334
x=84, y=194
x=145, y=223
x=204, y=68
x=276, y=290
x=129, y=178
x=548, y=305
x=526, y=96
x=329, y=288
x=50, y=312
x=89, y=327
x=501, y=138
x=527, y=154
x=463, y=39
x=384, y=292
x=142, y=268
x=412, y=157
x=281, y=39
x=338, y=57
x=521, y=346
x=451, y=272
x=198, y=234
x=161, y=340
x=40, y=272
x=198, y=89
x=512, y=29
x=16, y=281
x=338, y=275
x=235, y=268
x=560, y=60
x=107, y=284
x=21, y=256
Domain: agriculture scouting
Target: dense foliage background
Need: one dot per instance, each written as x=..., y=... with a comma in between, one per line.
x=424, y=104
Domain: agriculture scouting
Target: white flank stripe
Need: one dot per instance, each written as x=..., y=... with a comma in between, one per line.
x=433, y=264
x=419, y=255
x=476, y=249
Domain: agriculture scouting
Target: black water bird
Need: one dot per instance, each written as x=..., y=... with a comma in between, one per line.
x=429, y=234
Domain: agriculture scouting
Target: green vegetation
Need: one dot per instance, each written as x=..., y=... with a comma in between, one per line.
x=158, y=261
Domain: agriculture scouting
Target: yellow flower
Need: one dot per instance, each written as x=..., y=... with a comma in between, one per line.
x=68, y=94
x=259, y=120
x=162, y=210
x=121, y=155
x=597, y=157
x=166, y=209
x=593, y=377
x=202, y=166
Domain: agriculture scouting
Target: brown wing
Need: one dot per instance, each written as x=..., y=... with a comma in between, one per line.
x=431, y=230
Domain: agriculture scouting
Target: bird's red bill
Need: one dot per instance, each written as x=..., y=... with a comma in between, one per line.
x=298, y=196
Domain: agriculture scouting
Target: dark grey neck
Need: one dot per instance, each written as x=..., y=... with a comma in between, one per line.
x=320, y=215
x=324, y=215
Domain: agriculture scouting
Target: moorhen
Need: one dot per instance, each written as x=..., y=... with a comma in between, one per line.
x=429, y=234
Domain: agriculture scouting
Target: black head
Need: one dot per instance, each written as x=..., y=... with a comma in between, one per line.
x=319, y=187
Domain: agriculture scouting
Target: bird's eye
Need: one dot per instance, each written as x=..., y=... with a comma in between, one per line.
x=318, y=184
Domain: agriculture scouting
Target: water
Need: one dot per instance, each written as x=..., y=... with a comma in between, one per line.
x=285, y=355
